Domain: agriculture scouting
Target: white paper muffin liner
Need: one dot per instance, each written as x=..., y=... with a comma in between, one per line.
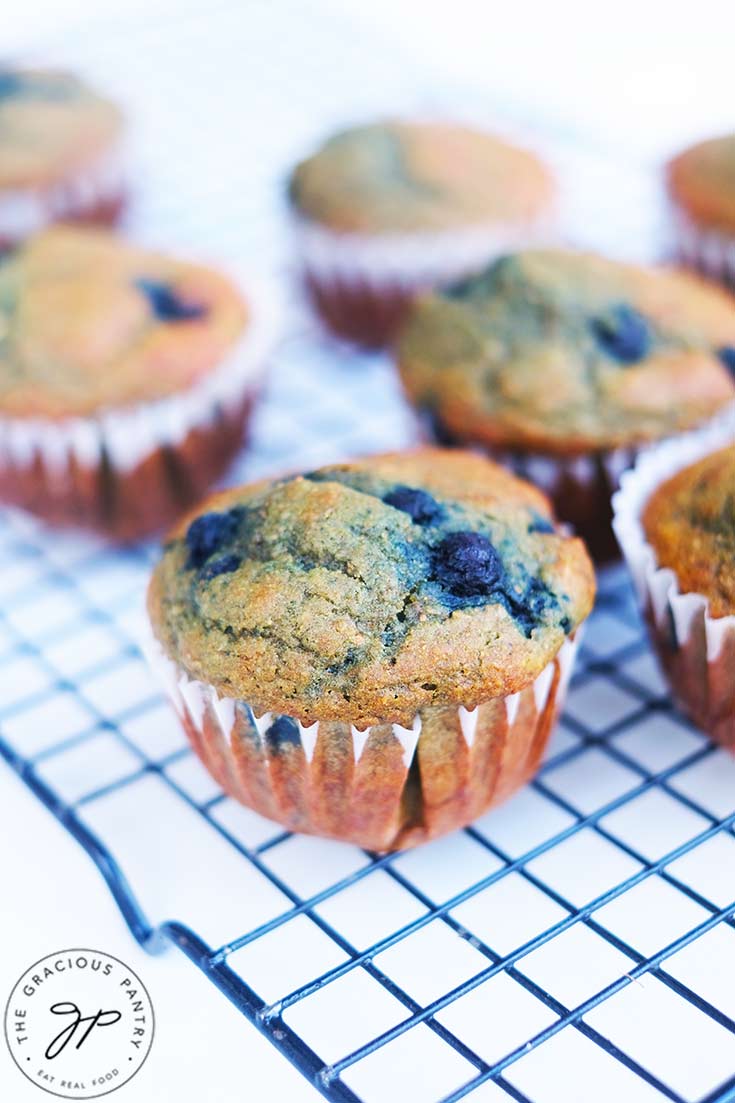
x=124, y=437
x=233, y=743
x=682, y=628
x=25, y=211
x=362, y=284
x=709, y=251
x=410, y=262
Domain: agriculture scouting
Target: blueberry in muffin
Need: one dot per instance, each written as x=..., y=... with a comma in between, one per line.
x=376, y=650
x=389, y=208
x=126, y=379
x=564, y=364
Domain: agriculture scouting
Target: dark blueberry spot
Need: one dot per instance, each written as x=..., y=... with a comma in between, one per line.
x=207, y=533
x=536, y=597
x=727, y=356
x=10, y=83
x=566, y=625
x=623, y=334
x=460, y=289
x=351, y=656
x=528, y=608
x=283, y=732
x=467, y=564
x=541, y=524
x=223, y=564
x=420, y=506
x=166, y=304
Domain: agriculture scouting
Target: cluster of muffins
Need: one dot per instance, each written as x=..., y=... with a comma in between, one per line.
x=384, y=211
x=126, y=376
x=377, y=650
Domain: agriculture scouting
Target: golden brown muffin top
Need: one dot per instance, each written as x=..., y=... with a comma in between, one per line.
x=701, y=179
x=51, y=125
x=89, y=322
x=690, y=522
x=366, y=591
x=402, y=177
x=569, y=352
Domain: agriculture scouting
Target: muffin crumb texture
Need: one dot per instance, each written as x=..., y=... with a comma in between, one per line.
x=569, y=353
x=365, y=592
x=690, y=523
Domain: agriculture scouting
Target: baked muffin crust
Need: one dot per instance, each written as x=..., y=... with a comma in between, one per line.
x=701, y=180
x=363, y=592
x=404, y=177
x=51, y=125
x=89, y=322
x=690, y=523
x=567, y=353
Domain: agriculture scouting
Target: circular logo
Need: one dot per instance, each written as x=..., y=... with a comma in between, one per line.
x=79, y=1024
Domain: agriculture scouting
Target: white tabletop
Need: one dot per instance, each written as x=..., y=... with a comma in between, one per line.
x=638, y=81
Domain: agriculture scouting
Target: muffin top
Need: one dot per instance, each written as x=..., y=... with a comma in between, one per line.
x=701, y=179
x=89, y=322
x=51, y=124
x=366, y=591
x=402, y=177
x=690, y=523
x=568, y=352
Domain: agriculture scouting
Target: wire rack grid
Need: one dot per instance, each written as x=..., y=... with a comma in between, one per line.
x=577, y=943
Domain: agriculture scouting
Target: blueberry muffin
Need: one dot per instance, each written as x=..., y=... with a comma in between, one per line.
x=125, y=380
x=59, y=153
x=675, y=519
x=701, y=187
x=385, y=210
x=374, y=651
x=690, y=524
x=563, y=364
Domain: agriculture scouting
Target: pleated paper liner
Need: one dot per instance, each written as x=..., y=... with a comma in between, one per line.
x=131, y=471
x=383, y=787
x=95, y=194
x=696, y=650
x=362, y=284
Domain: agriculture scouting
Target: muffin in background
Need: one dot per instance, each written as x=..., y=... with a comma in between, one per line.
x=60, y=157
x=675, y=520
x=126, y=378
x=701, y=186
x=564, y=364
x=388, y=209
x=375, y=651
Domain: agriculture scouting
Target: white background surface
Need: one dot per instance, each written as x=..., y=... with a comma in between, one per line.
x=52, y=897
x=644, y=77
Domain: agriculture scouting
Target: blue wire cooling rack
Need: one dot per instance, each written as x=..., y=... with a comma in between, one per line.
x=630, y=744
x=577, y=943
